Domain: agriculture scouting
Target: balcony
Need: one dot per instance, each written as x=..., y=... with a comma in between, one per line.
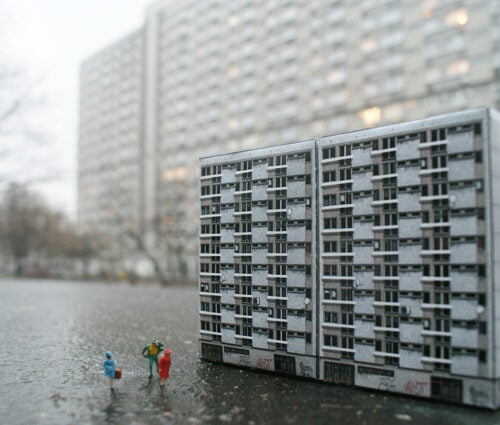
x=385, y=354
x=336, y=183
x=336, y=159
x=338, y=349
x=435, y=360
x=382, y=151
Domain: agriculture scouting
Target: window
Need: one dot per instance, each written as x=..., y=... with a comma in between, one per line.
x=246, y=227
x=329, y=200
x=346, y=222
x=281, y=313
x=281, y=335
x=345, y=270
x=330, y=246
x=391, y=296
x=439, y=189
x=390, y=245
x=390, y=193
x=329, y=176
x=329, y=270
x=329, y=152
x=392, y=347
x=348, y=342
x=281, y=160
x=346, y=246
x=330, y=294
x=345, y=174
x=330, y=340
x=345, y=198
x=347, y=294
x=330, y=317
x=279, y=204
x=442, y=325
x=440, y=244
x=345, y=150
x=442, y=351
x=390, y=219
x=438, y=134
x=347, y=318
x=439, y=161
x=281, y=292
x=330, y=223
x=388, y=142
x=389, y=168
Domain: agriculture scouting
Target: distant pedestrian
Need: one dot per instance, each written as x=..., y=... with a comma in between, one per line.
x=109, y=368
x=151, y=352
x=164, y=366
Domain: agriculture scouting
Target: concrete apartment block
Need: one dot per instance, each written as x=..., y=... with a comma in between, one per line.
x=372, y=260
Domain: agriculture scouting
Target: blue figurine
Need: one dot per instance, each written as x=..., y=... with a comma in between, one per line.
x=109, y=368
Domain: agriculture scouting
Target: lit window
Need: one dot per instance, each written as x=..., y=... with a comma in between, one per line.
x=371, y=116
x=458, y=67
x=336, y=76
x=427, y=13
x=233, y=71
x=368, y=45
x=174, y=174
x=456, y=17
x=233, y=21
x=233, y=124
x=317, y=61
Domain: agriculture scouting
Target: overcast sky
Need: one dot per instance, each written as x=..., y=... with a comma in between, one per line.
x=47, y=40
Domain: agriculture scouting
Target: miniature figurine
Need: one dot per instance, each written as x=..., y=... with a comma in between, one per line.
x=109, y=368
x=151, y=351
x=164, y=366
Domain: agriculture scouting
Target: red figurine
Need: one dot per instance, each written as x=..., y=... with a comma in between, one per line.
x=164, y=366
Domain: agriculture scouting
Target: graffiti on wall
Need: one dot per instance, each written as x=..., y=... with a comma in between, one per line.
x=306, y=370
x=264, y=363
x=386, y=384
x=478, y=397
x=244, y=361
x=415, y=387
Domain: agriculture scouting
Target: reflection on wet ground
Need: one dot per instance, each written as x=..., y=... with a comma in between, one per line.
x=53, y=336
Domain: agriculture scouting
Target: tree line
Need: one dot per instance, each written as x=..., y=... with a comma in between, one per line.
x=36, y=239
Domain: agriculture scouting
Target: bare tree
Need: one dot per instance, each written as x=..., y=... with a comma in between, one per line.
x=130, y=229
x=24, y=139
x=34, y=235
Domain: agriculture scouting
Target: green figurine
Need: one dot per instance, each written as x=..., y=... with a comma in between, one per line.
x=152, y=351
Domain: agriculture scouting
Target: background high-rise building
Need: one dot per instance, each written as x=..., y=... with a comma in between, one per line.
x=110, y=146
x=221, y=76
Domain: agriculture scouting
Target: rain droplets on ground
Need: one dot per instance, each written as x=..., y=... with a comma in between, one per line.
x=54, y=335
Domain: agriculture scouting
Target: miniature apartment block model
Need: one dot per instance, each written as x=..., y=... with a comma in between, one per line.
x=370, y=258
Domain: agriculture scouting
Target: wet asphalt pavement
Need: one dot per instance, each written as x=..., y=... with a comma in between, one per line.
x=53, y=336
